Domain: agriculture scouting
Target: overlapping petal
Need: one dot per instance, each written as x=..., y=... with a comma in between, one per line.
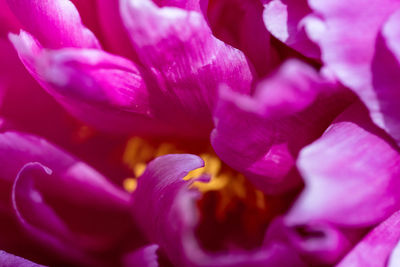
x=284, y=20
x=260, y=136
x=350, y=53
x=240, y=24
x=187, y=60
x=367, y=179
x=385, y=77
x=375, y=249
x=103, y=90
x=62, y=203
x=116, y=37
x=55, y=24
x=165, y=209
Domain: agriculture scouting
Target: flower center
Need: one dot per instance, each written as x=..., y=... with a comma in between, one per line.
x=230, y=207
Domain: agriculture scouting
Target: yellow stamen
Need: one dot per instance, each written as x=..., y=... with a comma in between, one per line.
x=130, y=184
x=139, y=169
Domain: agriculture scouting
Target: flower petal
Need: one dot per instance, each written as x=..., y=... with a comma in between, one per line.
x=318, y=244
x=188, y=61
x=385, y=79
x=162, y=196
x=115, y=35
x=9, y=260
x=349, y=53
x=29, y=205
x=364, y=181
x=376, y=247
x=71, y=210
x=101, y=89
x=146, y=257
x=283, y=18
x=55, y=24
x=260, y=136
x=240, y=24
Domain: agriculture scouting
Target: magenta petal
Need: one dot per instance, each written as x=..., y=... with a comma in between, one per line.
x=115, y=35
x=165, y=209
x=29, y=203
x=71, y=210
x=340, y=195
x=240, y=24
x=318, y=244
x=283, y=18
x=349, y=53
x=101, y=89
x=385, y=105
x=188, y=60
x=9, y=260
x=260, y=136
x=374, y=250
x=54, y=23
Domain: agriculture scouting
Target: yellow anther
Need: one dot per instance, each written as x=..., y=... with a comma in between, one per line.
x=139, y=169
x=166, y=148
x=130, y=184
x=260, y=200
x=216, y=183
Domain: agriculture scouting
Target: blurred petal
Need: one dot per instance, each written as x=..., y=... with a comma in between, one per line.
x=55, y=24
x=70, y=209
x=143, y=257
x=30, y=210
x=260, y=136
x=9, y=260
x=350, y=171
x=115, y=35
x=240, y=24
x=187, y=60
x=374, y=250
x=103, y=90
x=318, y=244
x=165, y=209
x=386, y=78
x=283, y=18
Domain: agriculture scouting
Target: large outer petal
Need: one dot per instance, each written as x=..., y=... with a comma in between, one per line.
x=55, y=24
x=101, y=89
x=166, y=211
x=188, y=61
x=346, y=31
x=374, y=250
x=352, y=174
x=260, y=136
x=283, y=19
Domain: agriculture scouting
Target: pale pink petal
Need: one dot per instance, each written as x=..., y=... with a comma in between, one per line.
x=283, y=19
x=351, y=174
x=346, y=31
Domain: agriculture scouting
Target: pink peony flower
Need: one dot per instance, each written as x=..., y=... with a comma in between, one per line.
x=199, y=133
